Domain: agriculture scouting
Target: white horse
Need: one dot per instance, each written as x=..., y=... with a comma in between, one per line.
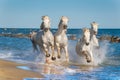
x=94, y=30
x=60, y=37
x=83, y=47
x=44, y=39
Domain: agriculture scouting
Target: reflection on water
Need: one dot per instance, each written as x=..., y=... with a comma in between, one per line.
x=74, y=72
x=77, y=72
x=59, y=72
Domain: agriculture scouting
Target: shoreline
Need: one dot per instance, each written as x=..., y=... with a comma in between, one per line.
x=9, y=71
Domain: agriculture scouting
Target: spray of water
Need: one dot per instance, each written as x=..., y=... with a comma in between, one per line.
x=40, y=58
x=99, y=54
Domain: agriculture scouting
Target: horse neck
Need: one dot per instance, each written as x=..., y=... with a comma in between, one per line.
x=92, y=35
x=61, y=30
x=43, y=25
x=82, y=41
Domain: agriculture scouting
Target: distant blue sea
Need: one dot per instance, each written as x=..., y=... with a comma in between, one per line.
x=114, y=32
x=20, y=50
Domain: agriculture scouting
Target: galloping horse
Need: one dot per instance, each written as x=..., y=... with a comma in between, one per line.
x=60, y=37
x=93, y=33
x=83, y=47
x=44, y=39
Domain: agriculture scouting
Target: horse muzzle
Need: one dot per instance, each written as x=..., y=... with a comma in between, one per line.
x=95, y=32
x=87, y=43
x=46, y=29
x=65, y=26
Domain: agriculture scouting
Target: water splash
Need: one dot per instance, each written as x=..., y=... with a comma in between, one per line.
x=98, y=54
x=40, y=58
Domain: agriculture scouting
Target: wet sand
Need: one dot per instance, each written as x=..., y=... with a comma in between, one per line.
x=8, y=71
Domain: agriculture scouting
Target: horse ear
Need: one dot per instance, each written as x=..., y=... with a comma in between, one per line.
x=64, y=17
x=94, y=23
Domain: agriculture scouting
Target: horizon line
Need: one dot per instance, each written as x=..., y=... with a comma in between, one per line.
x=50, y=28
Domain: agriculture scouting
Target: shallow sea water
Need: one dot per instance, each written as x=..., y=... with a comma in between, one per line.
x=106, y=65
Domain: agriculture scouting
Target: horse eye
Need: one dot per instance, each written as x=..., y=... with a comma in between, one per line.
x=83, y=35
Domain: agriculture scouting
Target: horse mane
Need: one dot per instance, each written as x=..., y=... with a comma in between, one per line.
x=41, y=26
x=60, y=23
x=84, y=29
x=59, y=27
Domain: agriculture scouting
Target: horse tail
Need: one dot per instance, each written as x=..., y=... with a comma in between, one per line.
x=34, y=46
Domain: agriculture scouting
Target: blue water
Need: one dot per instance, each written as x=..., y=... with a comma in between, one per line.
x=20, y=50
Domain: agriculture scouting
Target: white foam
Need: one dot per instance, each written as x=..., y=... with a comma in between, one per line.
x=98, y=54
x=7, y=55
x=69, y=70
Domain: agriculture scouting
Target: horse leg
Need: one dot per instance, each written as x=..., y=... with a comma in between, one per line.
x=91, y=56
x=66, y=53
x=58, y=50
x=53, y=54
x=46, y=50
x=87, y=56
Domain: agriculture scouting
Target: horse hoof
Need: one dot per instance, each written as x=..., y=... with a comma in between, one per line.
x=59, y=57
x=88, y=61
x=53, y=58
x=48, y=55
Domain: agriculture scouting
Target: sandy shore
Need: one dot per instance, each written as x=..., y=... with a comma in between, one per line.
x=8, y=71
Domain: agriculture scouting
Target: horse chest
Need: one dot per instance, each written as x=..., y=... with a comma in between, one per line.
x=47, y=38
x=62, y=39
x=94, y=40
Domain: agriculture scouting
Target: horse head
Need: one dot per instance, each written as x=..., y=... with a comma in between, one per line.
x=94, y=27
x=63, y=22
x=45, y=25
x=86, y=36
